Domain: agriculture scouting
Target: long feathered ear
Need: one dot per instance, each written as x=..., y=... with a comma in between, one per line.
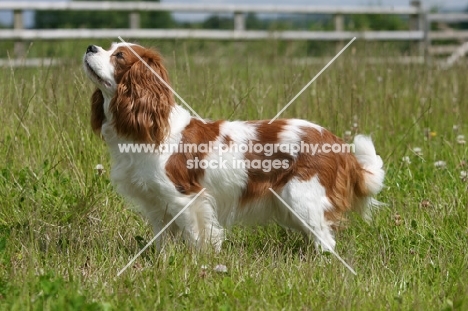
x=142, y=104
x=97, y=111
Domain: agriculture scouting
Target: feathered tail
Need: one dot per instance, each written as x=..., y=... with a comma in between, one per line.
x=373, y=172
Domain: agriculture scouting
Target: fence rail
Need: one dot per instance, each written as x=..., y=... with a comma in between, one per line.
x=55, y=34
x=419, y=23
x=203, y=8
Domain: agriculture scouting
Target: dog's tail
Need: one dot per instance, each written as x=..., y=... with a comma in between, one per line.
x=373, y=173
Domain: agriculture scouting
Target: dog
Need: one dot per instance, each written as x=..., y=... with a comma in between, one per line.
x=248, y=172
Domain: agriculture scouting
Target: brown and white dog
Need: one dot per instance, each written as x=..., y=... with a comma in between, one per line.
x=132, y=106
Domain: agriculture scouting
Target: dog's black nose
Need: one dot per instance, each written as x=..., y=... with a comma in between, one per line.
x=91, y=49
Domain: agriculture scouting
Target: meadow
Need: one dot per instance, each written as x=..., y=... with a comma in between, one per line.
x=65, y=233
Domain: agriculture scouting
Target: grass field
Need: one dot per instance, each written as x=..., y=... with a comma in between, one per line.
x=64, y=232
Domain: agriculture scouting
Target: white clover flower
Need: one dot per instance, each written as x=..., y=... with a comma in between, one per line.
x=406, y=160
x=440, y=164
x=220, y=269
x=348, y=136
x=464, y=175
x=461, y=139
x=100, y=169
x=417, y=151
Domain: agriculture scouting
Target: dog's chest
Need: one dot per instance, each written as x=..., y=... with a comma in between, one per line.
x=139, y=175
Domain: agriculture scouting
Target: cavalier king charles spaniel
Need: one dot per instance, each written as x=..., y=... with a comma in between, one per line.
x=239, y=164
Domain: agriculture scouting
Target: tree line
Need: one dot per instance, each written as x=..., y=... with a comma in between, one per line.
x=100, y=19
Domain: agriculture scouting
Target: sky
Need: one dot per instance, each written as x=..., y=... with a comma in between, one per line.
x=6, y=18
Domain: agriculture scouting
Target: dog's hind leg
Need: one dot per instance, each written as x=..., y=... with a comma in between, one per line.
x=309, y=203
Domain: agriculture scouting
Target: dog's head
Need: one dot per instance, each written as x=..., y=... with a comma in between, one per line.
x=135, y=83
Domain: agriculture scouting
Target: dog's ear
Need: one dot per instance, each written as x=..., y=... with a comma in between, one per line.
x=97, y=111
x=142, y=104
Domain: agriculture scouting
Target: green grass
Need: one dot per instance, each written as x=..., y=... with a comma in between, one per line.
x=64, y=233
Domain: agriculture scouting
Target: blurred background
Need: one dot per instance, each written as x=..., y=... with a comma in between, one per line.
x=44, y=19
x=415, y=29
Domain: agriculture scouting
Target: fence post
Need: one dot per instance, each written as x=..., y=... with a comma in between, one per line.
x=417, y=23
x=19, y=48
x=427, y=38
x=339, y=26
x=239, y=21
x=134, y=19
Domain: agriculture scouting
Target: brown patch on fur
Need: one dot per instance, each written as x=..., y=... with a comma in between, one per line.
x=97, y=111
x=259, y=181
x=142, y=104
x=339, y=173
x=188, y=180
x=226, y=139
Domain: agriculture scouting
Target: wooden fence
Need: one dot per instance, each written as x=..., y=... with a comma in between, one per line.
x=419, y=23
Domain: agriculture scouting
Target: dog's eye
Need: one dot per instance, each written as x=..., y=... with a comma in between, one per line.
x=118, y=55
